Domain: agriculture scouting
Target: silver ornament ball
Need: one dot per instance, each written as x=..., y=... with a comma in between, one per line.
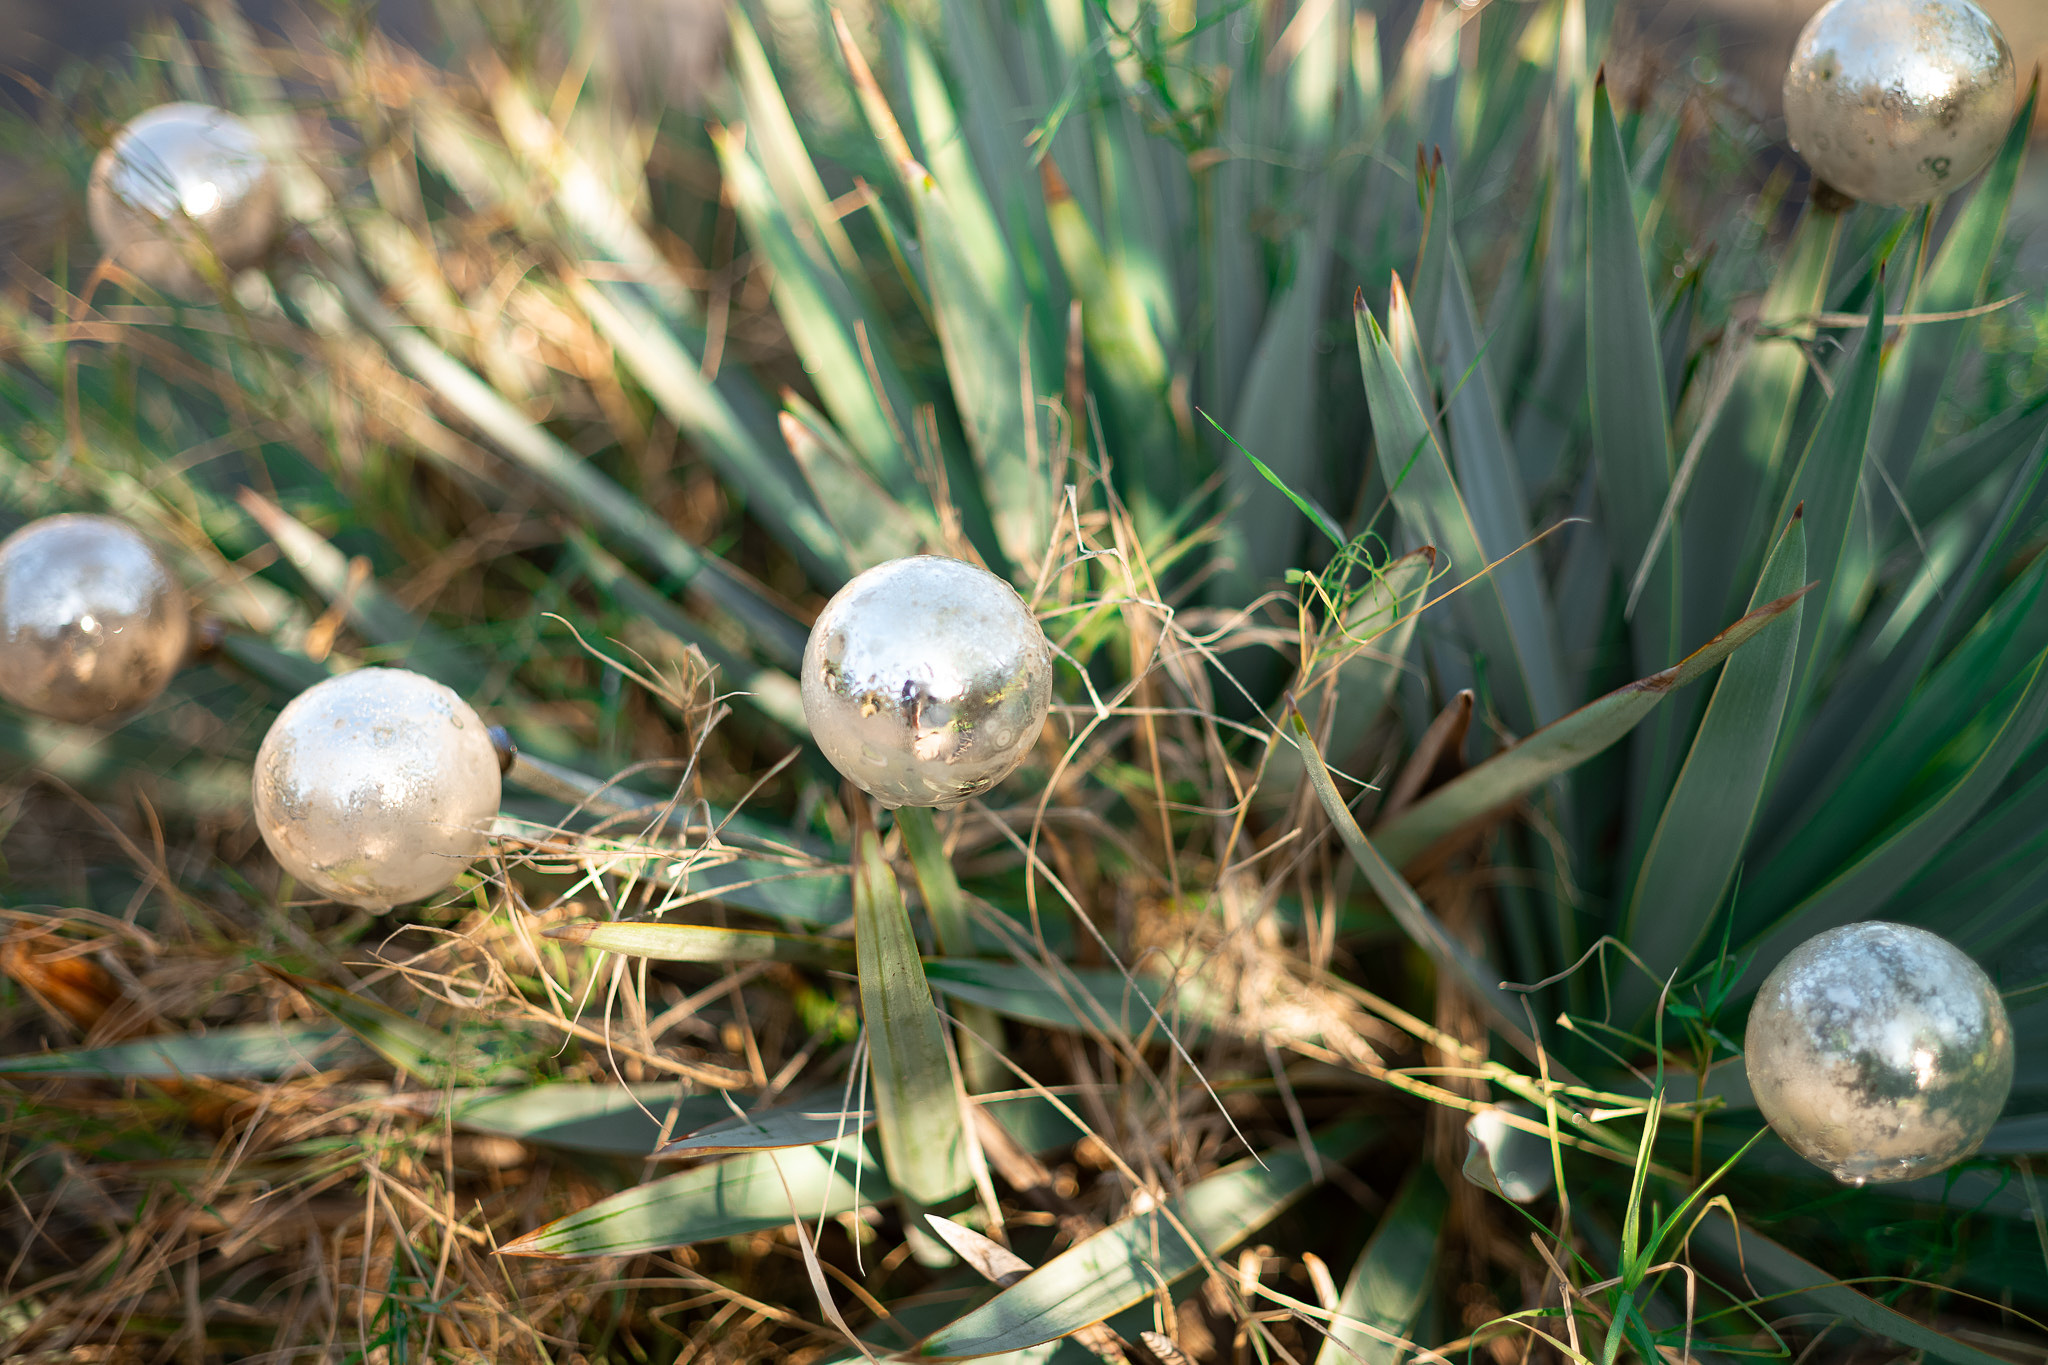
x=926, y=681
x=1879, y=1052
x=176, y=183
x=92, y=623
x=376, y=787
x=1898, y=101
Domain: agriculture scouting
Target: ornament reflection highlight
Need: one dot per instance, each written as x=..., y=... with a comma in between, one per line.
x=377, y=787
x=177, y=183
x=1898, y=101
x=92, y=623
x=926, y=681
x=1879, y=1052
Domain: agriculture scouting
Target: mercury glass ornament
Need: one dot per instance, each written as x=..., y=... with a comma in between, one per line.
x=377, y=787
x=1879, y=1052
x=926, y=681
x=92, y=623
x=176, y=183
x=1898, y=101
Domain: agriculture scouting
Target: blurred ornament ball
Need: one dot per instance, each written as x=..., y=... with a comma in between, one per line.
x=1879, y=1052
x=92, y=623
x=177, y=183
x=376, y=787
x=926, y=681
x=1899, y=101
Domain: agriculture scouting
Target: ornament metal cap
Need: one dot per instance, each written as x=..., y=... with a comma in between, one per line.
x=92, y=623
x=177, y=182
x=376, y=787
x=1899, y=101
x=926, y=681
x=1879, y=1052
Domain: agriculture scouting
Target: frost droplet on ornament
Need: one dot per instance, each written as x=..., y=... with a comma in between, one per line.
x=926, y=681
x=376, y=787
x=177, y=184
x=1899, y=101
x=1879, y=1052
x=92, y=622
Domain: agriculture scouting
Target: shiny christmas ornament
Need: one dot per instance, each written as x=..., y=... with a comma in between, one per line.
x=926, y=681
x=1879, y=1052
x=1897, y=101
x=377, y=787
x=92, y=624
x=177, y=183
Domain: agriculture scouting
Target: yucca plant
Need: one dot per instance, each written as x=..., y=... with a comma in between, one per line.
x=1388, y=427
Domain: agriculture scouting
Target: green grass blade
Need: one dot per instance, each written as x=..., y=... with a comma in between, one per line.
x=424, y=1053
x=700, y=943
x=1705, y=825
x=1559, y=746
x=1958, y=279
x=924, y=1146
x=1126, y=1263
x=792, y=1125
x=730, y=1198
x=1387, y=1287
x=245, y=1052
x=874, y=525
x=786, y=160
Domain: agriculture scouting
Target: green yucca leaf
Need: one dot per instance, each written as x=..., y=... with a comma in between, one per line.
x=874, y=526
x=2010, y=725
x=248, y=1051
x=1387, y=1287
x=1738, y=463
x=419, y=1051
x=1840, y=816
x=1825, y=482
x=917, y=1102
x=612, y=1120
x=1949, y=476
x=784, y=157
x=821, y=314
x=1699, y=838
x=1126, y=360
x=746, y=450
x=1956, y=280
x=1561, y=745
x=1426, y=495
x=728, y=1198
x=700, y=943
x=799, y=1124
x=1492, y=483
x=589, y=492
x=1073, y=999
x=1126, y=1263
x=1631, y=443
